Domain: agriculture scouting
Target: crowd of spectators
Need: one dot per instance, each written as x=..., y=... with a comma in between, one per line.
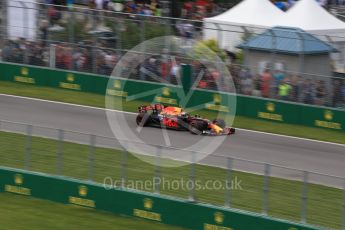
x=86, y=58
x=199, y=9
x=269, y=84
x=142, y=7
x=24, y=52
x=82, y=57
x=148, y=8
x=281, y=85
x=285, y=5
x=329, y=3
x=167, y=70
x=191, y=9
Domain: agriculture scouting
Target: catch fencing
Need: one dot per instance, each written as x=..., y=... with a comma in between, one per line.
x=271, y=190
x=86, y=40
x=153, y=207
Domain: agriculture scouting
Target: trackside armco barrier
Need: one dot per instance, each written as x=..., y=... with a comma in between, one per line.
x=132, y=203
x=258, y=108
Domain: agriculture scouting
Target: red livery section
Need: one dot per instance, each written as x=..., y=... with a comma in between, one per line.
x=170, y=122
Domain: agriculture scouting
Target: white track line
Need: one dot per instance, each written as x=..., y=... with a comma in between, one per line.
x=131, y=113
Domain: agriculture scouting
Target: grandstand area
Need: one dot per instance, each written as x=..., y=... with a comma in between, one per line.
x=73, y=74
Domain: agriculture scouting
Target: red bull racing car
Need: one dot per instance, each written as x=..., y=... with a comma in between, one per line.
x=176, y=118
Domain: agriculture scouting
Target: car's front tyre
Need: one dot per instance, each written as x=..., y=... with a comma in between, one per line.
x=196, y=127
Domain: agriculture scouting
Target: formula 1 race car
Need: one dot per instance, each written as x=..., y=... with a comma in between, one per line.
x=176, y=118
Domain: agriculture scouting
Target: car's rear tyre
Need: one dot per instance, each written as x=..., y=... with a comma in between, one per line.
x=140, y=121
x=196, y=127
x=219, y=122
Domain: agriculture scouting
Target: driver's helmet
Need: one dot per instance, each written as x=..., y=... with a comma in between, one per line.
x=183, y=114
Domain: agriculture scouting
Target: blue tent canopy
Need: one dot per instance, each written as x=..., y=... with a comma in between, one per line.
x=287, y=40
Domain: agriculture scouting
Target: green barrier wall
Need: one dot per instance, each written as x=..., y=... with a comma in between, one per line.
x=259, y=108
x=162, y=209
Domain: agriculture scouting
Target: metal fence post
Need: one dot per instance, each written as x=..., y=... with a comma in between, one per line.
x=304, y=197
x=124, y=165
x=91, y=171
x=94, y=42
x=265, y=198
x=143, y=50
x=301, y=54
x=52, y=56
x=167, y=28
x=26, y=20
x=219, y=34
x=59, y=154
x=157, y=177
x=274, y=50
x=118, y=28
x=94, y=57
x=227, y=202
x=71, y=25
x=4, y=19
x=167, y=47
x=142, y=25
x=192, y=178
x=28, y=148
x=343, y=217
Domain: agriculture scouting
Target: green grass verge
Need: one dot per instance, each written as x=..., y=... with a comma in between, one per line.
x=19, y=212
x=324, y=203
x=96, y=100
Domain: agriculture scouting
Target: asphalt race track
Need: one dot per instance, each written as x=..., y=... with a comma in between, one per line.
x=285, y=151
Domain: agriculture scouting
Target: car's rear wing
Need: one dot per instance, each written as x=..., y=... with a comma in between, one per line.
x=146, y=108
